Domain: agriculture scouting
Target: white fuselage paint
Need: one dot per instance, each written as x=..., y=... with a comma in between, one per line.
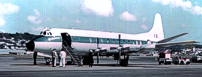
x=154, y=35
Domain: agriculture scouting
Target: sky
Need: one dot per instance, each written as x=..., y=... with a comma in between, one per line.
x=122, y=16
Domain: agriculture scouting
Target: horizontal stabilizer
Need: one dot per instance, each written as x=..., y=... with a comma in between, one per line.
x=171, y=38
x=175, y=43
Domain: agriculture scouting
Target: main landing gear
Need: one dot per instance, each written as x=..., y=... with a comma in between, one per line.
x=48, y=60
x=86, y=60
x=35, y=56
x=124, y=62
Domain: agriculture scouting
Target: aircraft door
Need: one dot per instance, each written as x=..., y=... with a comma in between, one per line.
x=66, y=39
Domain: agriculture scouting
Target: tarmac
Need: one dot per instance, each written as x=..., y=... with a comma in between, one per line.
x=22, y=66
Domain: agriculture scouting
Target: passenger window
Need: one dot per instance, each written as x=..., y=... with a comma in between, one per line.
x=140, y=42
x=107, y=40
x=101, y=40
x=113, y=41
x=124, y=41
x=50, y=33
x=90, y=39
x=128, y=41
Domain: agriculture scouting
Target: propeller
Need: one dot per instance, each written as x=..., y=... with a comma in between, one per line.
x=120, y=49
x=98, y=50
x=98, y=43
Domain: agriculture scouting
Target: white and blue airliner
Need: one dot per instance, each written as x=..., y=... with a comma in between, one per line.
x=82, y=41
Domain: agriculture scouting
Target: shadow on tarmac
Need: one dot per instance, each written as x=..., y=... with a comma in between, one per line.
x=106, y=65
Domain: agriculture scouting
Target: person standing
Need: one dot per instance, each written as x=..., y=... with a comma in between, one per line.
x=91, y=58
x=62, y=56
x=54, y=55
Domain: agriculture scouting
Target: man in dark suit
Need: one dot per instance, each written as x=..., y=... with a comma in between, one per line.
x=91, y=58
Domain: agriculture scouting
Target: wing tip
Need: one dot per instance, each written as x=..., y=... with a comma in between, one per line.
x=196, y=41
x=193, y=41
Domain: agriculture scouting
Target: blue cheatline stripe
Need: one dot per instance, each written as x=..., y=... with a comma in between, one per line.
x=104, y=40
x=49, y=39
x=88, y=40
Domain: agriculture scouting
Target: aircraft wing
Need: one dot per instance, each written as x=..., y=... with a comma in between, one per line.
x=171, y=38
x=174, y=43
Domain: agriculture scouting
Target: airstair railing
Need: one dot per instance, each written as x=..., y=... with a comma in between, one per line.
x=69, y=50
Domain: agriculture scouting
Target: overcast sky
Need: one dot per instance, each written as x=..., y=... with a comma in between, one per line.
x=123, y=16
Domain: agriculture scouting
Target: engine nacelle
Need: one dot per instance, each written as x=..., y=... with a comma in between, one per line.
x=148, y=46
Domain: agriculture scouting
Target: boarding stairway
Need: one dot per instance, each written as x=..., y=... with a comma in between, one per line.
x=70, y=51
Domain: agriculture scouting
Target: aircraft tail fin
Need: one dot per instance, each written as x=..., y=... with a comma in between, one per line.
x=157, y=29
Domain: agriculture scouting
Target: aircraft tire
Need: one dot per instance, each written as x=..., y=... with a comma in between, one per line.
x=48, y=60
x=124, y=62
x=181, y=63
x=47, y=63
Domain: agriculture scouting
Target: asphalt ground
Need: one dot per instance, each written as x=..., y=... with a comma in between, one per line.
x=22, y=66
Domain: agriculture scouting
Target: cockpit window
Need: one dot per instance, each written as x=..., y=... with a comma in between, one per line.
x=41, y=33
x=44, y=33
x=50, y=33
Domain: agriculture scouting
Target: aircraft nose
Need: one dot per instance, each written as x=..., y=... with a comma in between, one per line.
x=30, y=45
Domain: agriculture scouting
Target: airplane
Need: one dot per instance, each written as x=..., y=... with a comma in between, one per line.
x=80, y=42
